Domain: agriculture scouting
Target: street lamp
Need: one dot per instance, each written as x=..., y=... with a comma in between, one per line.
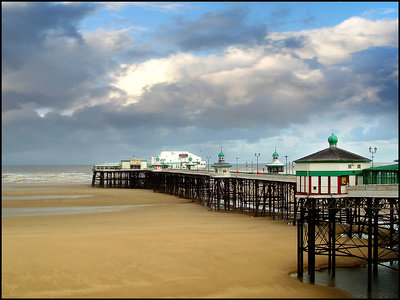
x=237, y=165
x=257, y=156
x=246, y=166
x=286, y=164
x=372, y=151
x=208, y=163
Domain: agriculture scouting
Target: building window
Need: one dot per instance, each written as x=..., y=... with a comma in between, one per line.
x=358, y=166
x=349, y=166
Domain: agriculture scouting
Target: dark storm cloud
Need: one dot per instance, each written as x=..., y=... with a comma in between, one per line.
x=47, y=62
x=25, y=27
x=212, y=31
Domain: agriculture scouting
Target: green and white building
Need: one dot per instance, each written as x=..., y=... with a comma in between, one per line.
x=133, y=163
x=124, y=164
x=275, y=167
x=221, y=167
x=329, y=171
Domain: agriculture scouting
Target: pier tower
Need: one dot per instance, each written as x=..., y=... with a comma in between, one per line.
x=275, y=167
x=221, y=167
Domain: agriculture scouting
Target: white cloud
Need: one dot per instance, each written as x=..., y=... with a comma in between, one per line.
x=335, y=44
x=377, y=12
x=159, y=6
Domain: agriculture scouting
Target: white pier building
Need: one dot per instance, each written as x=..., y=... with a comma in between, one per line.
x=177, y=160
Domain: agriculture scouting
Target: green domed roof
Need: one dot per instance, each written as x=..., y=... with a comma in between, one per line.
x=333, y=139
x=190, y=158
x=221, y=154
x=275, y=154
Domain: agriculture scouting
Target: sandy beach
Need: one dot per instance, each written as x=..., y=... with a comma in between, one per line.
x=173, y=248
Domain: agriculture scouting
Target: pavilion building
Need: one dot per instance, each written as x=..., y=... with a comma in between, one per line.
x=222, y=167
x=275, y=167
x=329, y=171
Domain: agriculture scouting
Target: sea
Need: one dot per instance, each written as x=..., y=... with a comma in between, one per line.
x=57, y=174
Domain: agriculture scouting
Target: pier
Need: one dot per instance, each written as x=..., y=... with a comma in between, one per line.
x=254, y=194
x=364, y=223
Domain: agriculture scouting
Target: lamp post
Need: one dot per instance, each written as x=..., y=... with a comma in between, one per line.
x=246, y=166
x=237, y=165
x=372, y=151
x=286, y=164
x=257, y=156
x=208, y=163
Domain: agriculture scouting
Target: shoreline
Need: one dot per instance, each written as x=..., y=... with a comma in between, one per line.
x=179, y=249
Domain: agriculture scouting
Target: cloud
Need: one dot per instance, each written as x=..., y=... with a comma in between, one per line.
x=158, y=6
x=26, y=27
x=213, y=30
x=64, y=89
x=49, y=62
x=335, y=44
x=373, y=13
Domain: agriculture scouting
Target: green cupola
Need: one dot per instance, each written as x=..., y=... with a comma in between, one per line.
x=275, y=154
x=332, y=140
x=221, y=156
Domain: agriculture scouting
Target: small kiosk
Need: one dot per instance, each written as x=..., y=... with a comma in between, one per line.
x=191, y=165
x=222, y=167
x=275, y=167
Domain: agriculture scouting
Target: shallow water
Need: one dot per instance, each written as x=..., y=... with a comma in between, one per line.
x=25, y=188
x=44, y=197
x=46, y=174
x=42, y=211
x=354, y=280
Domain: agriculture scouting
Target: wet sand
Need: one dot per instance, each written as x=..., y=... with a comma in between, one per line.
x=175, y=248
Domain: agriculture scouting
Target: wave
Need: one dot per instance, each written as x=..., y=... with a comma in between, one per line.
x=8, y=178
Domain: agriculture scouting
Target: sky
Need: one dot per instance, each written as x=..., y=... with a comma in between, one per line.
x=92, y=82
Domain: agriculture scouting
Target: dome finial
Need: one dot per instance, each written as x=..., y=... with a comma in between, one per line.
x=332, y=140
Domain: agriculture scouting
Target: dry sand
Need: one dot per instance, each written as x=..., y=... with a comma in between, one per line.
x=173, y=249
